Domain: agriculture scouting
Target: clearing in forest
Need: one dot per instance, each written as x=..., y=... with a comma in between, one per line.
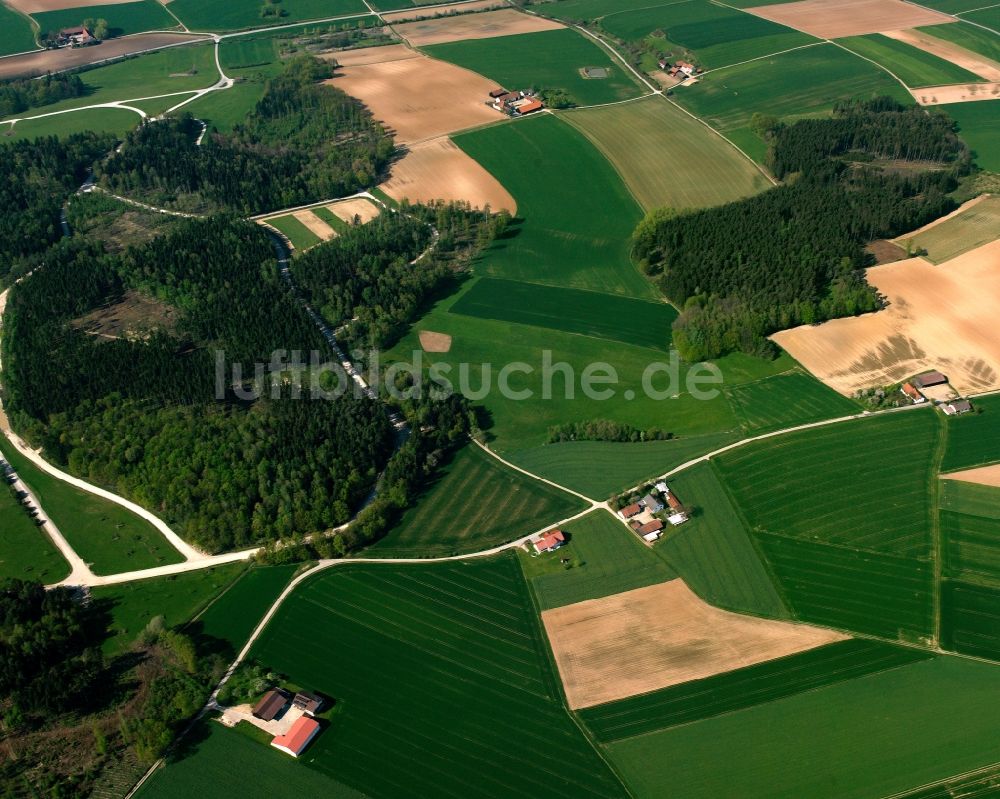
x=463, y=27
x=832, y=19
x=649, y=638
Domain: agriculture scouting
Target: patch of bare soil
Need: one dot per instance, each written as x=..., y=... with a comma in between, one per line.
x=832, y=19
x=315, y=224
x=358, y=208
x=434, y=342
x=938, y=317
x=370, y=55
x=957, y=93
x=132, y=317
x=977, y=64
x=981, y=475
x=506, y=22
x=650, y=638
x=886, y=252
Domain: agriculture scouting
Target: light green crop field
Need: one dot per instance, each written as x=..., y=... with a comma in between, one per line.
x=973, y=439
x=981, y=782
x=970, y=37
x=599, y=469
x=644, y=323
x=177, y=598
x=979, y=126
x=302, y=238
x=972, y=228
x=102, y=120
x=107, y=536
x=970, y=530
x=226, y=109
x=862, y=484
x=16, y=35
x=448, y=663
x=713, y=551
x=711, y=35
x=914, y=67
x=26, y=552
x=874, y=736
x=330, y=218
x=667, y=158
x=578, y=214
x=544, y=60
x=587, y=10
x=605, y=558
x=970, y=618
x=223, y=15
x=122, y=18
x=475, y=503
x=748, y=687
x=787, y=400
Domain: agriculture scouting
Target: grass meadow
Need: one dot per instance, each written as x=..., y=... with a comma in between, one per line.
x=876, y=736
x=107, y=536
x=605, y=558
x=644, y=323
x=733, y=691
x=979, y=126
x=544, y=60
x=971, y=37
x=223, y=15
x=786, y=400
x=973, y=439
x=714, y=553
x=445, y=682
x=123, y=18
x=301, y=237
x=224, y=110
x=966, y=231
x=970, y=618
x=16, y=35
x=970, y=530
x=914, y=67
x=102, y=120
x=665, y=157
x=475, y=503
x=26, y=552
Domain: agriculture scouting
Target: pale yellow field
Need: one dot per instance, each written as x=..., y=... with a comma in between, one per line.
x=957, y=93
x=364, y=210
x=423, y=13
x=938, y=317
x=505, y=22
x=371, y=55
x=37, y=6
x=434, y=342
x=832, y=19
x=981, y=475
x=977, y=64
x=651, y=638
x=315, y=224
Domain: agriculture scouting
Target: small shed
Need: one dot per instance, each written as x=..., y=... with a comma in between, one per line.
x=271, y=704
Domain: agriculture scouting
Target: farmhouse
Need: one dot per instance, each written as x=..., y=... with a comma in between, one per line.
x=308, y=702
x=552, y=540
x=298, y=736
x=75, y=37
x=956, y=407
x=650, y=531
x=910, y=391
x=651, y=503
x=630, y=510
x=514, y=103
x=271, y=704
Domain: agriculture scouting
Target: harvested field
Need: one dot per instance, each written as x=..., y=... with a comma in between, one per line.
x=434, y=342
x=939, y=317
x=315, y=225
x=423, y=13
x=982, y=475
x=973, y=224
x=359, y=207
x=961, y=93
x=371, y=55
x=980, y=65
x=650, y=638
x=31, y=64
x=505, y=22
x=41, y=6
x=440, y=170
x=832, y=19
x=396, y=92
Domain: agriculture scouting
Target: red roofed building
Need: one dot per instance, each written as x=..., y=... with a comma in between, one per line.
x=630, y=510
x=673, y=502
x=912, y=393
x=553, y=539
x=651, y=527
x=298, y=737
x=529, y=108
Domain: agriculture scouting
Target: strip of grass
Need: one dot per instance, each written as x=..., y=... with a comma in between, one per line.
x=224, y=15
x=588, y=313
x=330, y=218
x=737, y=690
x=713, y=552
x=786, y=400
x=302, y=238
x=102, y=120
x=445, y=683
x=973, y=439
x=968, y=230
x=970, y=619
x=110, y=538
x=666, y=157
x=26, y=552
x=970, y=37
x=604, y=557
x=578, y=215
x=16, y=35
x=874, y=736
x=914, y=67
x=544, y=60
x=979, y=126
x=122, y=18
x=475, y=503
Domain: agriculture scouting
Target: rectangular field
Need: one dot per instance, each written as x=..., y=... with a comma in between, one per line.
x=976, y=225
x=970, y=529
x=301, y=237
x=970, y=46
x=979, y=127
x=587, y=313
x=970, y=619
x=914, y=67
x=786, y=400
x=122, y=18
x=223, y=15
x=444, y=680
x=466, y=27
x=667, y=158
x=973, y=439
x=832, y=19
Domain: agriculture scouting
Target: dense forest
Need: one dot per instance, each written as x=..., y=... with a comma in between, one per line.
x=303, y=141
x=795, y=254
x=20, y=95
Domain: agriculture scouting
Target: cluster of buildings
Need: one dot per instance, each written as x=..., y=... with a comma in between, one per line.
x=75, y=37
x=934, y=386
x=641, y=516
x=515, y=104
x=278, y=702
x=681, y=70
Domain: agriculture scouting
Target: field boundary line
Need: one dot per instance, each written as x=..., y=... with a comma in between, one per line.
x=925, y=786
x=762, y=57
x=872, y=61
x=937, y=534
x=596, y=504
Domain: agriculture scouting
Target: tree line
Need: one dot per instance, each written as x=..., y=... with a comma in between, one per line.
x=21, y=94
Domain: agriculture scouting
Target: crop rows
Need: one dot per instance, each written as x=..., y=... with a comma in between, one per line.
x=786, y=400
x=970, y=619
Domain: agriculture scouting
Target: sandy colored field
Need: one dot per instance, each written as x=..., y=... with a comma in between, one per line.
x=981, y=475
x=371, y=55
x=399, y=94
x=439, y=170
x=505, y=22
x=651, y=638
x=434, y=342
x=957, y=93
x=977, y=64
x=832, y=19
x=939, y=317
x=315, y=224
x=31, y=64
x=36, y=6
x=363, y=209
x=423, y=13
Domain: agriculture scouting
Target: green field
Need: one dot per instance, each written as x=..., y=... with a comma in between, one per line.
x=988, y=17
x=16, y=35
x=913, y=66
x=970, y=37
x=177, y=598
x=970, y=619
x=712, y=35
x=444, y=679
x=587, y=10
x=223, y=110
x=713, y=552
x=979, y=126
x=123, y=18
x=955, y=6
x=302, y=238
x=26, y=552
x=578, y=214
x=973, y=439
x=545, y=60
x=475, y=503
x=972, y=228
x=605, y=558
x=587, y=313
x=786, y=400
x=110, y=538
x=982, y=782
x=970, y=530
x=102, y=120
x=667, y=158
x=599, y=469
x=744, y=688
x=858, y=739
x=223, y=15
x=863, y=484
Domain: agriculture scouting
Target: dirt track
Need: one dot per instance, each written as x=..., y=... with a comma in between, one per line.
x=832, y=19
x=975, y=63
x=505, y=22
